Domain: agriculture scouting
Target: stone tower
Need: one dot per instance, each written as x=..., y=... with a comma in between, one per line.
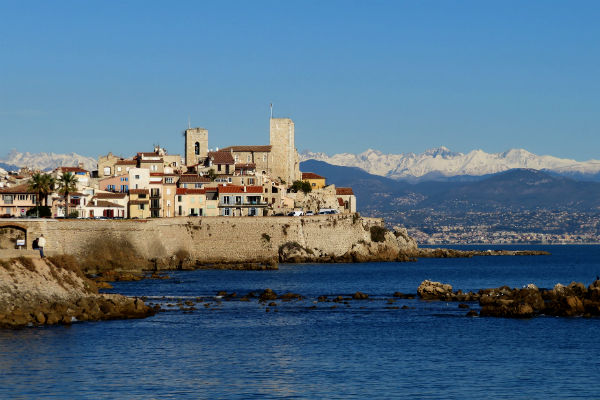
x=196, y=145
x=286, y=163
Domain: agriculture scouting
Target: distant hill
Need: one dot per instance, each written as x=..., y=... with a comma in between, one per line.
x=516, y=189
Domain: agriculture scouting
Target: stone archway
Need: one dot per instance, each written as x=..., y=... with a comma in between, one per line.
x=10, y=233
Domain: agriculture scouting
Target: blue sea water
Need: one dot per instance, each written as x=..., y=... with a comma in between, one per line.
x=364, y=349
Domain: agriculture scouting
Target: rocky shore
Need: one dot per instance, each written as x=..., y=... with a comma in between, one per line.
x=562, y=301
x=54, y=291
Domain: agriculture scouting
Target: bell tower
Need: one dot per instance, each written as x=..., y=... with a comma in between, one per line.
x=196, y=145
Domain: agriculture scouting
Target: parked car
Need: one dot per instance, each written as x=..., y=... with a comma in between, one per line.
x=328, y=211
x=296, y=214
x=309, y=213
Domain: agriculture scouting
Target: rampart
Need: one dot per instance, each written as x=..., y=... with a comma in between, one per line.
x=207, y=239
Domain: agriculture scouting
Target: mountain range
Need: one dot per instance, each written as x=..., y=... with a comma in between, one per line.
x=443, y=164
x=45, y=161
x=515, y=189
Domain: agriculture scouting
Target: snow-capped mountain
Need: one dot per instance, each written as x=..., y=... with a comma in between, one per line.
x=48, y=161
x=441, y=162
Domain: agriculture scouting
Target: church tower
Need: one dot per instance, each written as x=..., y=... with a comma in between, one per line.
x=196, y=145
x=286, y=163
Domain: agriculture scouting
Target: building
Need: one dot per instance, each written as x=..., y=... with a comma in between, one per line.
x=139, y=203
x=241, y=200
x=119, y=183
x=316, y=181
x=346, y=199
x=196, y=145
x=17, y=200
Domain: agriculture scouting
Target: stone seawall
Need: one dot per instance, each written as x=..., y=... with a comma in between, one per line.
x=206, y=239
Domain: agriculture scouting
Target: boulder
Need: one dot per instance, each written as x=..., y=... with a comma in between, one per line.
x=429, y=290
x=267, y=294
x=360, y=296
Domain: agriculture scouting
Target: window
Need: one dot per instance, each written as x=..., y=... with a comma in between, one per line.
x=169, y=179
x=238, y=199
x=141, y=196
x=106, y=170
x=264, y=157
x=168, y=203
x=229, y=179
x=118, y=169
x=250, y=181
x=226, y=200
x=154, y=167
x=237, y=158
x=241, y=181
x=124, y=188
x=22, y=197
x=180, y=199
x=226, y=212
x=141, y=206
x=168, y=191
x=198, y=185
x=137, y=177
x=197, y=148
x=219, y=167
x=191, y=199
x=248, y=158
x=154, y=192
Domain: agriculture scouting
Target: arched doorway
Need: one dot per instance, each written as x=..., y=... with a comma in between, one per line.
x=11, y=235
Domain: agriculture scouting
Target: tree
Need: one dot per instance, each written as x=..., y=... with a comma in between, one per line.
x=36, y=184
x=301, y=185
x=211, y=174
x=67, y=183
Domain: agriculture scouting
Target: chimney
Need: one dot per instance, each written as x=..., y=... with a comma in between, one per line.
x=244, y=189
x=95, y=201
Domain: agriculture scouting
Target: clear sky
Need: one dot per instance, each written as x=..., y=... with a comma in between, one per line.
x=397, y=76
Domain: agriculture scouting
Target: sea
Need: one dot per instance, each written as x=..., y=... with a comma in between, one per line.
x=365, y=349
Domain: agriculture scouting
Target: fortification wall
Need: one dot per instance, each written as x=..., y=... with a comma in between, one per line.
x=207, y=239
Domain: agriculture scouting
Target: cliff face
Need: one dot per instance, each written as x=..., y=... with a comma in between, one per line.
x=343, y=237
x=36, y=292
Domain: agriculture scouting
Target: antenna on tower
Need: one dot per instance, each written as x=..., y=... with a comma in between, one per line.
x=271, y=107
x=189, y=123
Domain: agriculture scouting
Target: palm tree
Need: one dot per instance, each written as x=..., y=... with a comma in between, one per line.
x=36, y=184
x=67, y=183
x=47, y=186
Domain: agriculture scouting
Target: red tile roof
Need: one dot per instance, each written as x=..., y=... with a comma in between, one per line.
x=110, y=195
x=245, y=166
x=17, y=189
x=139, y=201
x=193, y=179
x=239, y=189
x=104, y=203
x=343, y=191
x=139, y=191
x=126, y=162
x=72, y=169
x=310, y=175
x=156, y=174
x=221, y=157
x=190, y=191
x=265, y=148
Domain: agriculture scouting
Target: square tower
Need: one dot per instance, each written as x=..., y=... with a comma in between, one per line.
x=196, y=145
x=285, y=163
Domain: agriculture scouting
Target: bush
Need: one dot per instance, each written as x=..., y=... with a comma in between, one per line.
x=110, y=254
x=27, y=263
x=67, y=262
x=44, y=212
x=301, y=185
x=378, y=233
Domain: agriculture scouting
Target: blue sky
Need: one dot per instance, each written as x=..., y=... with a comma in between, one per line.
x=397, y=76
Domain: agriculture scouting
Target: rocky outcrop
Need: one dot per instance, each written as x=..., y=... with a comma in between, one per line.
x=453, y=253
x=379, y=245
x=38, y=292
x=430, y=290
x=529, y=301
